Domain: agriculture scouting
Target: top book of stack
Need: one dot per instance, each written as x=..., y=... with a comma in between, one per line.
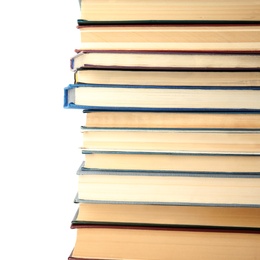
x=169, y=11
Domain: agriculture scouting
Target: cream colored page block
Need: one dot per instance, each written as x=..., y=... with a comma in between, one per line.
x=170, y=189
x=246, y=38
x=170, y=78
x=172, y=120
x=180, y=46
x=160, y=214
x=176, y=163
x=172, y=98
x=171, y=60
x=165, y=245
x=170, y=10
x=172, y=141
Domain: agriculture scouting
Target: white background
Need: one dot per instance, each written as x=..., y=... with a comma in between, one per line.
x=39, y=138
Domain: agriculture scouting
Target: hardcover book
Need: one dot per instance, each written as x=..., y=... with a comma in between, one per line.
x=171, y=37
x=171, y=161
x=171, y=140
x=172, y=120
x=168, y=187
x=131, y=242
x=165, y=60
x=129, y=11
x=166, y=216
x=185, y=78
x=120, y=97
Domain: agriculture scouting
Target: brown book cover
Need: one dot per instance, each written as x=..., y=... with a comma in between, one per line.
x=171, y=228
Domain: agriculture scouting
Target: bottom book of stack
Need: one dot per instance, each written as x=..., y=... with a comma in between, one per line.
x=195, y=216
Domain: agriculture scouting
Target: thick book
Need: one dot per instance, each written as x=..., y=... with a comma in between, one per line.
x=143, y=243
x=171, y=162
x=165, y=60
x=171, y=37
x=171, y=140
x=129, y=11
x=172, y=120
x=167, y=216
x=159, y=78
x=178, y=96
x=168, y=188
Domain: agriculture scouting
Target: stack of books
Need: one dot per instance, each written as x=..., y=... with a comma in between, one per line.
x=170, y=91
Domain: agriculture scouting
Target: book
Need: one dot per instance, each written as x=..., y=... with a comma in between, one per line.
x=172, y=120
x=167, y=93
x=171, y=140
x=168, y=188
x=171, y=162
x=166, y=216
x=171, y=37
x=168, y=78
x=165, y=60
x=113, y=242
x=127, y=11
